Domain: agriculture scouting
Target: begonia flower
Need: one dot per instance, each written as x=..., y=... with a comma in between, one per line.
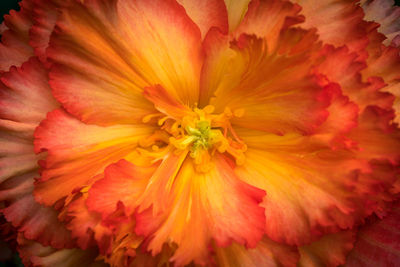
x=201, y=133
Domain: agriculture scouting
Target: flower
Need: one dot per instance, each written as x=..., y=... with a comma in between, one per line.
x=227, y=133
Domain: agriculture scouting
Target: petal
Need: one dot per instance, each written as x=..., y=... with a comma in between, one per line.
x=266, y=253
x=264, y=87
x=14, y=47
x=330, y=250
x=199, y=208
x=236, y=12
x=34, y=221
x=113, y=50
x=338, y=22
x=25, y=95
x=77, y=152
x=386, y=14
x=305, y=197
x=207, y=14
x=344, y=68
x=25, y=100
x=34, y=254
x=378, y=242
x=266, y=19
x=384, y=63
x=44, y=16
x=123, y=182
x=85, y=225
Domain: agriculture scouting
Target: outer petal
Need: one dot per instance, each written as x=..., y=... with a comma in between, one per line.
x=25, y=100
x=378, y=242
x=330, y=250
x=112, y=48
x=34, y=254
x=342, y=67
x=386, y=14
x=198, y=208
x=44, y=15
x=267, y=253
x=77, y=152
x=338, y=22
x=207, y=14
x=14, y=48
x=34, y=221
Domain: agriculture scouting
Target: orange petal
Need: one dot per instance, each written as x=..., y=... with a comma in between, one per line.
x=236, y=12
x=330, y=251
x=266, y=19
x=113, y=51
x=199, y=208
x=266, y=253
x=85, y=225
x=165, y=103
x=123, y=182
x=77, y=152
x=264, y=92
x=307, y=196
x=207, y=14
x=14, y=47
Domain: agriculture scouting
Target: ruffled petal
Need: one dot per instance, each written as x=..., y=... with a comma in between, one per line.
x=14, y=47
x=207, y=14
x=342, y=67
x=199, y=208
x=113, y=51
x=261, y=85
x=34, y=254
x=44, y=16
x=330, y=250
x=386, y=14
x=378, y=242
x=305, y=196
x=384, y=62
x=266, y=253
x=34, y=221
x=77, y=152
x=338, y=23
x=266, y=19
x=123, y=182
x=25, y=100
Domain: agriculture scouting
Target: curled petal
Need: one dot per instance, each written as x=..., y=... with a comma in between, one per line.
x=14, y=47
x=77, y=152
x=113, y=51
x=330, y=250
x=194, y=216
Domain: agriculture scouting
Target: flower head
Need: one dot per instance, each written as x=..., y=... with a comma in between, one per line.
x=228, y=133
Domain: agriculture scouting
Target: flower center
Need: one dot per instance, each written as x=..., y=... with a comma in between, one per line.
x=200, y=134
